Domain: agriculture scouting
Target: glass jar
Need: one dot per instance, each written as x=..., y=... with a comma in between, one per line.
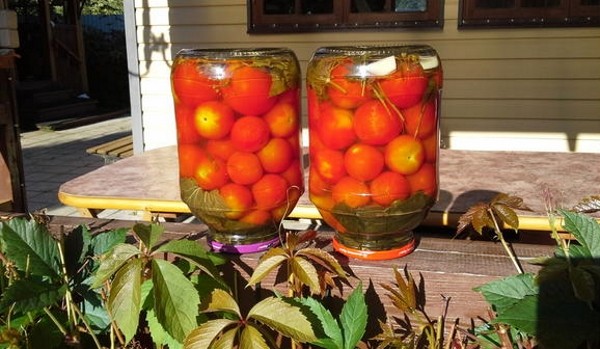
x=238, y=134
x=374, y=144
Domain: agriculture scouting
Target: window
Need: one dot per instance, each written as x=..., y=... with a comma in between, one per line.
x=534, y=13
x=268, y=16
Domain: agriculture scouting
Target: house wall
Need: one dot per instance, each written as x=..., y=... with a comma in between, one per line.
x=504, y=89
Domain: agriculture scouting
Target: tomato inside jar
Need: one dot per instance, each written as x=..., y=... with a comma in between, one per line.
x=238, y=134
x=374, y=144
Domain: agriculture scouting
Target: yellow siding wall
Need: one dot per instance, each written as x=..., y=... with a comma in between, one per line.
x=504, y=89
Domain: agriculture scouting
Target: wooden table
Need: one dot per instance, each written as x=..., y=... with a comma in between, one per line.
x=149, y=182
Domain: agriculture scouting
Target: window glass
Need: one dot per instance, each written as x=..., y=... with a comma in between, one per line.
x=310, y=7
x=410, y=6
x=279, y=7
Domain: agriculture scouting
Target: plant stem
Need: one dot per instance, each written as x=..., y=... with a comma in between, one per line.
x=55, y=321
x=68, y=297
x=88, y=327
x=505, y=244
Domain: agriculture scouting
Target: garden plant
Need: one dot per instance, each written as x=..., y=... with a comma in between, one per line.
x=132, y=288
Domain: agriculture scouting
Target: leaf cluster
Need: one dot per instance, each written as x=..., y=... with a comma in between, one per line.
x=560, y=305
x=46, y=298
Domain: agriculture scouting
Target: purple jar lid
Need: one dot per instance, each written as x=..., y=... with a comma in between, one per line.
x=242, y=249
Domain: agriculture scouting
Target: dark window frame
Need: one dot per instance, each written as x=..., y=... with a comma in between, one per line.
x=342, y=18
x=569, y=13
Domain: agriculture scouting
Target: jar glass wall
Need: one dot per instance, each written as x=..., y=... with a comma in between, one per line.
x=374, y=144
x=238, y=133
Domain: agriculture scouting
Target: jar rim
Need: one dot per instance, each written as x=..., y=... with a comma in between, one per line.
x=236, y=52
x=360, y=50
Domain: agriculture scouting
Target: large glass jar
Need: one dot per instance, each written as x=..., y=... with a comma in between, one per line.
x=238, y=135
x=374, y=143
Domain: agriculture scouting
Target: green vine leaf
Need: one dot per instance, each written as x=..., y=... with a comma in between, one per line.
x=504, y=293
x=272, y=259
x=175, y=299
x=354, y=318
x=112, y=261
x=158, y=333
x=102, y=243
x=583, y=284
x=306, y=273
x=193, y=252
x=31, y=247
x=202, y=336
x=149, y=234
x=333, y=337
x=252, y=338
x=124, y=301
x=285, y=318
x=31, y=294
x=585, y=229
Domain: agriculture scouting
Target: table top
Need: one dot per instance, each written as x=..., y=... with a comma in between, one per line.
x=149, y=182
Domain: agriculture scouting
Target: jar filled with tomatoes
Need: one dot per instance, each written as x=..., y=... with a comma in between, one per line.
x=374, y=144
x=238, y=133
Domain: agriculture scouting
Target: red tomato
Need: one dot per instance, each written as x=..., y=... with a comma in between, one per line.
x=250, y=133
x=249, y=91
x=345, y=92
x=186, y=128
x=190, y=85
x=406, y=86
x=363, y=162
x=336, y=128
x=270, y=191
x=375, y=124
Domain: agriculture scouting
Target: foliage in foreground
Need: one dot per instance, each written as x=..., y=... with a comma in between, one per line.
x=131, y=288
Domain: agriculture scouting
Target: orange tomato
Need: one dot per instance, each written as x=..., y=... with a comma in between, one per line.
x=276, y=156
x=282, y=120
x=421, y=120
x=238, y=199
x=249, y=91
x=256, y=217
x=388, y=187
x=270, y=191
x=250, y=133
x=425, y=180
x=351, y=192
x=363, y=162
x=329, y=164
x=211, y=173
x=336, y=127
x=244, y=168
x=375, y=124
x=190, y=86
x=214, y=120
x=404, y=154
